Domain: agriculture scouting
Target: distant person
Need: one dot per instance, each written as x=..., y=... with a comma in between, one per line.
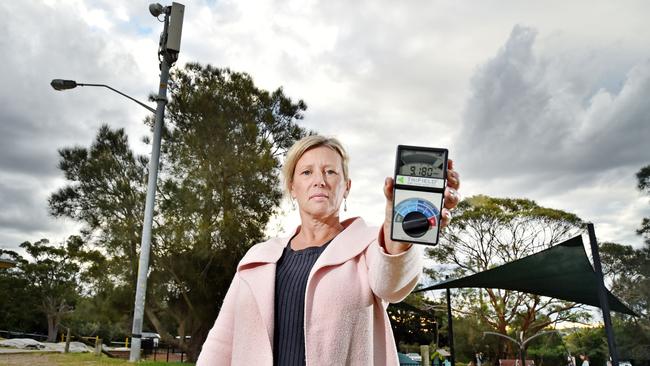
x=585, y=360
x=571, y=361
x=319, y=297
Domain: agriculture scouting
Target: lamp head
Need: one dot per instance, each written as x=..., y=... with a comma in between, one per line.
x=156, y=9
x=60, y=84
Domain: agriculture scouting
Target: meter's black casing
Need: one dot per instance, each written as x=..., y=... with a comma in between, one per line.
x=416, y=189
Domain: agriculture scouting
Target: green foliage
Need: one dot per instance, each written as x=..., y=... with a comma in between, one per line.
x=487, y=232
x=591, y=342
x=46, y=288
x=219, y=186
x=105, y=192
x=643, y=179
x=469, y=339
x=222, y=154
x=628, y=271
x=413, y=321
x=548, y=349
x=22, y=312
x=54, y=278
x=632, y=338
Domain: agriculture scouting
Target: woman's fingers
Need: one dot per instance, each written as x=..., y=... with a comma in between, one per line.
x=452, y=197
x=388, y=192
x=446, y=218
x=453, y=178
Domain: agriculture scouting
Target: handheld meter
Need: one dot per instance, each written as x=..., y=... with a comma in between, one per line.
x=418, y=194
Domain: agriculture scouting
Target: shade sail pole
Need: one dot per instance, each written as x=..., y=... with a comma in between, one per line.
x=602, y=295
x=450, y=329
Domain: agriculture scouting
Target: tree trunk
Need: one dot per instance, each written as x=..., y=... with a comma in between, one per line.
x=52, y=328
x=196, y=342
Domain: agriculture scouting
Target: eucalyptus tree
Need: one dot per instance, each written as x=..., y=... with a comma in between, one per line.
x=105, y=190
x=487, y=232
x=52, y=280
x=222, y=152
x=222, y=146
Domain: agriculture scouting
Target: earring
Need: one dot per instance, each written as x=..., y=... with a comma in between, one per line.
x=293, y=203
x=345, y=204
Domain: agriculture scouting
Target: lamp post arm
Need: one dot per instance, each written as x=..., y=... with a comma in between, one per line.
x=537, y=335
x=504, y=336
x=122, y=94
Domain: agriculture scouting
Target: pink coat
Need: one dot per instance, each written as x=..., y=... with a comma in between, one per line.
x=348, y=291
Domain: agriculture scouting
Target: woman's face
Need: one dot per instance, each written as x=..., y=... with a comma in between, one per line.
x=318, y=184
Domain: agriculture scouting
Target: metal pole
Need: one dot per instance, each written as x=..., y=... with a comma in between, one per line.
x=450, y=330
x=602, y=295
x=522, y=351
x=145, y=247
x=67, y=342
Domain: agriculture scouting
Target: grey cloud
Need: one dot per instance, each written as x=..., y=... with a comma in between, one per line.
x=40, y=43
x=568, y=129
x=527, y=115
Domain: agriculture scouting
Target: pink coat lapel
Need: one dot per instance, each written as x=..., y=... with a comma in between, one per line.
x=353, y=240
x=257, y=269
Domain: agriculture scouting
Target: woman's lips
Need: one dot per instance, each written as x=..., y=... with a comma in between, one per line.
x=318, y=195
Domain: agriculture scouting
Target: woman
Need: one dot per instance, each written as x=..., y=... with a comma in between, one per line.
x=319, y=297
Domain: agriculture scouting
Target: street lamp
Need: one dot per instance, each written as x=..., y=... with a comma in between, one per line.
x=522, y=343
x=60, y=84
x=169, y=48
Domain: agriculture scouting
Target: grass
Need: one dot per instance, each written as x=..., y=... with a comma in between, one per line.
x=74, y=359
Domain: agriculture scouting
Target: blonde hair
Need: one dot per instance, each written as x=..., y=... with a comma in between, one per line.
x=302, y=146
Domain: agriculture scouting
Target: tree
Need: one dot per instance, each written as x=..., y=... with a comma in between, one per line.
x=222, y=152
x=54, y=277
x=414, y=321
x=105, y=192
x=628, y=271
x=643, y=184
x=219, y=186
x=548, y=349
x=21, y=312
x=487, y=232
x=591, y=342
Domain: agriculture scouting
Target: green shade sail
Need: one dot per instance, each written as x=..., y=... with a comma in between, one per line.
x=562, y=272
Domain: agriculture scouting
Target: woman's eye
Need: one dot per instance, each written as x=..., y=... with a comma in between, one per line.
x=330, y=172
x=306, y=172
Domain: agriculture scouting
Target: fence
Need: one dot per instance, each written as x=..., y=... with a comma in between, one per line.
x=160, y=351
x=150, y=350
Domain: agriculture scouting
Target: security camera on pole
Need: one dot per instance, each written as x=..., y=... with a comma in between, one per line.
x=170, y=44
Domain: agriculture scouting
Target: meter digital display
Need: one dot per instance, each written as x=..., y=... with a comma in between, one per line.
x=428, y=164
x=418, y=194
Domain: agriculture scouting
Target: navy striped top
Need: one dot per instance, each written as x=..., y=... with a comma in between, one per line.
x=291, y=276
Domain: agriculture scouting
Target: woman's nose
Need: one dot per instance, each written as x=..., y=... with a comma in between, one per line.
x=319, y=179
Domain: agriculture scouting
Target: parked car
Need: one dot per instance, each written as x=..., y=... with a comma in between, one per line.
x=405, y=360
x=414, y=356
x=153, y=336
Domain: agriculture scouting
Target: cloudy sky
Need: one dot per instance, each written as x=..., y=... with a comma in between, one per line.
x=543, y=100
